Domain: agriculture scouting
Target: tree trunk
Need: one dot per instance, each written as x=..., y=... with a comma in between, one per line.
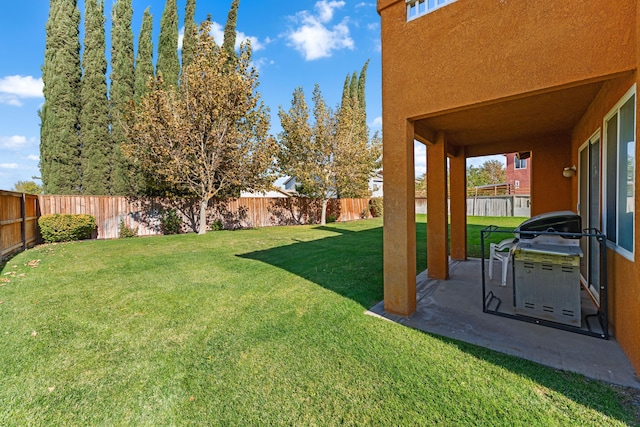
x=203, y=216
x=323, y=217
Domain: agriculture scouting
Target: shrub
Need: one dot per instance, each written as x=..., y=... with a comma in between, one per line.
x=216, y=225
x=376, y=206
x=125, y=232
x=66, y=228
x=331, y=218
x=171, y=222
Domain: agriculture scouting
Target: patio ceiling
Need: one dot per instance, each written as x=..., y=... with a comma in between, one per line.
x=515, y=119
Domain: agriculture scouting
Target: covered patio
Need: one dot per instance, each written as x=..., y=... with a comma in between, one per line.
x=453, y=308
x=481, y=77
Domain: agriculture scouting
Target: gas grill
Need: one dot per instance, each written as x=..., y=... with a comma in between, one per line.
x=546, y=265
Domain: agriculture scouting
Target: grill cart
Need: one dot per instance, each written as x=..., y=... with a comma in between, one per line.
x=546, y=281
x=546, y=269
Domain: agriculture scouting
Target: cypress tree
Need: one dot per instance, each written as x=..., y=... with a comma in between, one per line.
x=59, y=139
x=122, y=81
x=345, y=91
x=189, y=40
x=361, y=84
x=229, y=42
x=94, y=113
x=144, y=59
x=353, y=86
x=168, y=65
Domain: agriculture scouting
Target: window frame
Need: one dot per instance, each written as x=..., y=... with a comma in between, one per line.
x=611, y=178
x=518, y=163
x=437, y=4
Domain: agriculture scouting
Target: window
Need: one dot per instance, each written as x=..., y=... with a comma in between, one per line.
x=519, y=163
x=619, y=183
x=416, y=8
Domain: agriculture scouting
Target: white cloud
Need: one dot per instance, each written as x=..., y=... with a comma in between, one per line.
x=478, y=161
x=180, y=38
x=22, y=86
x=373, y=26
x=377, y=46
x=15, y=88
x=9, y=166
x=377, y=122
x=260, y=63
x=217, y=31
x=14, y=142
x=313, y=38
x=420, y=158
x=10, y=100
x=325, y=9
x=33, y=158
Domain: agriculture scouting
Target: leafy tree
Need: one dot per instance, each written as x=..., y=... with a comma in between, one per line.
x=357, y=157
x=208, y=137
x=144, y=59
x=168, y=65
x=60, y=147
x=94, y=113
x=122, y=82
x=421, y=186
x=495, y=171
x=189, y=39
x=333, y=156
x=28, y=187
x=490, y=172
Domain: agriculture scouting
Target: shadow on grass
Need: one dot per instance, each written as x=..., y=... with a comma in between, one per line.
x=348, y=263
x=617, y=402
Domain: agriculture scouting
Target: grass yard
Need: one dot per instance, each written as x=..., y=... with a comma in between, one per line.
x=475, y=224
x=252, y=327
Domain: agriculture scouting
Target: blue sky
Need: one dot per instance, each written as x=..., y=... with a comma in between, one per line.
x=295, y=43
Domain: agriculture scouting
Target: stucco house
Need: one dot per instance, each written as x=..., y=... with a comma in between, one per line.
x=470, y=78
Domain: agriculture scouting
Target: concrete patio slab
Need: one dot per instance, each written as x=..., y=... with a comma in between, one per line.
x=453, y=308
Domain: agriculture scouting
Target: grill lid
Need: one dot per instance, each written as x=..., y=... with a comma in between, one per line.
x=559, y=221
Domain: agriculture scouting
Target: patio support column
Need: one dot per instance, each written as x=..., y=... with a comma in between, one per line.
x=437, y=212
x=399, y=232
x=458, y=197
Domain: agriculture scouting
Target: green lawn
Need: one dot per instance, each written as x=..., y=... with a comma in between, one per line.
x=251, y=327
x=475, y=224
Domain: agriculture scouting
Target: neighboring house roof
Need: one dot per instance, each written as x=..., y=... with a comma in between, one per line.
x=376, y=182
x=272, y=194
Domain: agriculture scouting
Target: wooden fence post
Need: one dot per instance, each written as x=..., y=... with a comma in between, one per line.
x=23, y=226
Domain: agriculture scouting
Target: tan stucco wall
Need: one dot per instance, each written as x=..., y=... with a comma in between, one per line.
x=474, y=51
x=623, y=275
x=399, y=231
x=550, y=191
x=477, y=53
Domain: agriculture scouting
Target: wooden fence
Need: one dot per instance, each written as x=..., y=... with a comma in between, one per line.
x=18, y=222
x=507, y=205
x=145, y=214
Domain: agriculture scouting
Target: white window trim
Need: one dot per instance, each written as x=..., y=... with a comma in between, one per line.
x=517, y=162
x=630, y=255
x=437, y=6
